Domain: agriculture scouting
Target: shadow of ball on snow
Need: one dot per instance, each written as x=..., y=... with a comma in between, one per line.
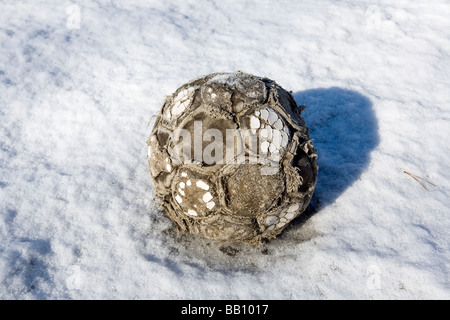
x=344, y=131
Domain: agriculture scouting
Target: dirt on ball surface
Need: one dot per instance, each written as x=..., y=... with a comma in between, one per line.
x=231, y=158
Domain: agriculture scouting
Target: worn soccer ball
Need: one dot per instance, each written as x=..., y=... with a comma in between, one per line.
x=231, y=158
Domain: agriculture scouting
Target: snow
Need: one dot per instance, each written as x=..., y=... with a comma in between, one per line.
x=80, y=82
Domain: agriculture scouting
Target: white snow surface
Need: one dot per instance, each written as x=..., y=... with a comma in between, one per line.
x=78, y=218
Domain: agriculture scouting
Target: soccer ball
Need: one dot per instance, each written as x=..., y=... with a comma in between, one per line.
x=231, y=158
